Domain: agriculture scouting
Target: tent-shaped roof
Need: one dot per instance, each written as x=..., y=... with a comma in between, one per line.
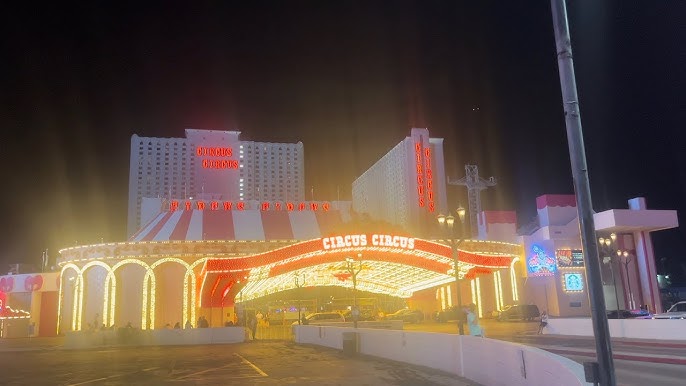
x=248, y=225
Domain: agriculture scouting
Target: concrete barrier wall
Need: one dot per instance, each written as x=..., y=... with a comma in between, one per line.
x=482, y=360
x=216, y=335
x=621, y=328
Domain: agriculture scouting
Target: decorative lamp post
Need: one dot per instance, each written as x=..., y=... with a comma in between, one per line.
x=606, y=247
x=625, y=259
x=299, y=285
x=447, y=226
x=353, y=271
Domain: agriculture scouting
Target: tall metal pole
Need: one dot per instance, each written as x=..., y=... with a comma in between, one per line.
x=456, y=256
x=577, y=155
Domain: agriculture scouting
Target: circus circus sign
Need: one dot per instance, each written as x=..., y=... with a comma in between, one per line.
x=377, y=240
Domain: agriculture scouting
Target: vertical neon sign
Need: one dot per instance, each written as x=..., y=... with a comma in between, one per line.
x=429, y=179
x=420, y=174
x=424, y=177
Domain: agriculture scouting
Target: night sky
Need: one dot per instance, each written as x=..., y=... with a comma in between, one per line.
x=348, y=79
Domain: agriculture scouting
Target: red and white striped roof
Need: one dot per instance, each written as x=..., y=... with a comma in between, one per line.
x=249, y=225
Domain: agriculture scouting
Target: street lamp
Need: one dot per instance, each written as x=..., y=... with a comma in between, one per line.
x=350, y=267
x=299, y=285
x=607, y=247
x=447, y=225
x=625, y=259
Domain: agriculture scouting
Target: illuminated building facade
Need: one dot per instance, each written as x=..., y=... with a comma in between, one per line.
x=200, y=257
x=407, y=186
x=555, y=264
x=212, y=164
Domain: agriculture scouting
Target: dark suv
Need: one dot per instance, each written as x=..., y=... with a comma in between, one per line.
x=450, y=313
x=526, y=312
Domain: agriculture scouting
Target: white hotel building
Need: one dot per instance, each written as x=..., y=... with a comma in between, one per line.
x=212, y=164
x=407, y=186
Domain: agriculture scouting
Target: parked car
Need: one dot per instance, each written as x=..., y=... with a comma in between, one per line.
x=365, y=315
x=449, y=314
x=676, y=311
x=525, y=312
x=629, y=314
x=322, y=317
x=406, y=315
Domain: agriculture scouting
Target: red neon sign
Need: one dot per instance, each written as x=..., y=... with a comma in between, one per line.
x=224, y=152
x=240, y=205
x=203, y=151
x=377, y=240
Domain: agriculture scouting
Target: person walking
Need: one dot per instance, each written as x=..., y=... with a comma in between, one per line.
x=252, y=325
x=544, y=322
x=473, y=322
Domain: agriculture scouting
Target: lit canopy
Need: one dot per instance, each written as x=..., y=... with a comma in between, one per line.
x=393, y=270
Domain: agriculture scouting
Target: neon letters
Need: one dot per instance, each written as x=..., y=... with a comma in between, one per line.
x=348, y=241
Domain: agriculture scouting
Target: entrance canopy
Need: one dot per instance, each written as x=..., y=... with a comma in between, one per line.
x=386, y=264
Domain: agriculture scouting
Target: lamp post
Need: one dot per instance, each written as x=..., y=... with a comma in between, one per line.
x=607, y=245
x=299, y=285
x=350, y=267
x=625, y=259
x=447, y=225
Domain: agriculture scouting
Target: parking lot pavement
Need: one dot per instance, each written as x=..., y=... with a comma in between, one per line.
x=252, y=363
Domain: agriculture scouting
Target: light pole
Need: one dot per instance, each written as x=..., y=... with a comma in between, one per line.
x=350, y=267
x=299, y=285
x=607, y=245
x=624, y=258
x=446, y=223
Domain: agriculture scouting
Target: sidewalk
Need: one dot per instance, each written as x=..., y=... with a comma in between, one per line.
x=31, y=344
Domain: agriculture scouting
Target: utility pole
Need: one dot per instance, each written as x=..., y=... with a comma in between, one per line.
x=577, y=155
x=475, y=185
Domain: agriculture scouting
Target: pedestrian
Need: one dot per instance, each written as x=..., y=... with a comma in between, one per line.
x=544, y=322
x=177, y=326
x=473, y=322
x=252, y=325
x=32, y=329
x=188, y=324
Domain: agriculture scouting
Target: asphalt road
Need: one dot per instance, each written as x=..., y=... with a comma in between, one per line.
x=252, y=363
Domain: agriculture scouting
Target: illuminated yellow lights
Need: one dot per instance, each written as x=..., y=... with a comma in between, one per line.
x=471, y=282
x=513, y=279
x=497, y=283
x=478, y=296
x=443, y=298
x=395, y=279
x=449, y=296
x=61, y=292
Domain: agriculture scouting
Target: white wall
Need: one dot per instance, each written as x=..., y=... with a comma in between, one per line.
x=217, y=335
x=486, y=361
x=663, y=329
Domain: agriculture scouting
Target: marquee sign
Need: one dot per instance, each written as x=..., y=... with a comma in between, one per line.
x=347, y=241
x=241, y=205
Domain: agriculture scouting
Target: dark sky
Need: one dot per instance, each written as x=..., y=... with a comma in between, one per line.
x=348, y=79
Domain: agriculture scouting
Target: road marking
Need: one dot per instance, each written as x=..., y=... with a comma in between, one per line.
x=262, y=373
x=87, y=382
x=111, y=376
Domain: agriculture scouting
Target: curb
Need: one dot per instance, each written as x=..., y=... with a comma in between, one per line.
x=628, y=357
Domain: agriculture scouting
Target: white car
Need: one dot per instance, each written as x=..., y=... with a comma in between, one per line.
x=676, y=311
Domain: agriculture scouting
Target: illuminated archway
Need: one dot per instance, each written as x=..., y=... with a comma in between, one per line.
x=113, y=283
x=153, y=287
x=77, y=271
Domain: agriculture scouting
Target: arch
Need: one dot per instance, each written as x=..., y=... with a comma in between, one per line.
x=105, y=289
x=113, y=282
x=153, y=287
x=61, y=294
